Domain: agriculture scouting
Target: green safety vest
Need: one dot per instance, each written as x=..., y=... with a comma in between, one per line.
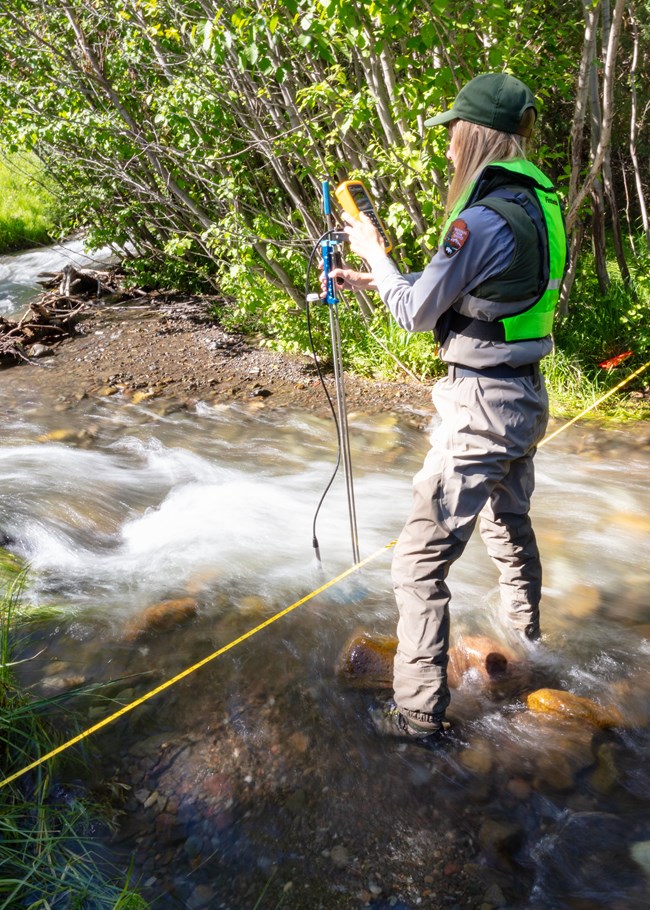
x=511, y=189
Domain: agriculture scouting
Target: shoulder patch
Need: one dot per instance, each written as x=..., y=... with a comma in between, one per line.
x=455, y=238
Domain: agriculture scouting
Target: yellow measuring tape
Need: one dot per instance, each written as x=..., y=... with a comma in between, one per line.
x=596, y=403
x=263, y=625
x=197, y=666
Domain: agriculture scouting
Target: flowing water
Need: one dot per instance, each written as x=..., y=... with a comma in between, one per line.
x=19, y=272
x=270, y=769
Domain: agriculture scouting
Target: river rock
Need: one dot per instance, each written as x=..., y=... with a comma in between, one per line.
x=498, y=841
x=547, y=750
x=479, y=655
x=53, y=684
x=568, y=705
x=477, y=757
x=633, y=694
x=66, y=435
x=640, y=852
x=606, y=774
x=366, y=661
x=40, y=350
x=162, y=617
x=142, y=395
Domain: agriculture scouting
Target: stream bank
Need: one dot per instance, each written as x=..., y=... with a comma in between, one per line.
x=163, y=346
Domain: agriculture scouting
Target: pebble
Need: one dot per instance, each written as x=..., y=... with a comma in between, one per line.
x=202, y=896
x=193, y=846
x=494, y=896
x=641, y=854
x=339, y=856
x=40, y=350
x=61, y=683
x=151, y=800
x=519, y=788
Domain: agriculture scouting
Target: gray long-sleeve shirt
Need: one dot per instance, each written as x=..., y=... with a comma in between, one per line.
x=418, y=299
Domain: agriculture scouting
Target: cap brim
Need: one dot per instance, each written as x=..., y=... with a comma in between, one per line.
x=445, y=117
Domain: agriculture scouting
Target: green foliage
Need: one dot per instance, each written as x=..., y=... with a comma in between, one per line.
x=198, y=134
x=27, y=204
x=600, y=326
x=597, y=328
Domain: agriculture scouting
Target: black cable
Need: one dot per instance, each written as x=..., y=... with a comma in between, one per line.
x=325, y=389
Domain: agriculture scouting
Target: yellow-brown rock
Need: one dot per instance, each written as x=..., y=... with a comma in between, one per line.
x=478, y=757
x=606, y=774
x=142, y=395
x=366, y=661
x=568, y=705
x=162, y=617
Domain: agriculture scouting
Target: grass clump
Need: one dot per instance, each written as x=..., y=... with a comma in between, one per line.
x=49, y=858
x=27, y=204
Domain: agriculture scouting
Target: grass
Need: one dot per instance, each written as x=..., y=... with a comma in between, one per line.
x=48, y=849
x=27, y=204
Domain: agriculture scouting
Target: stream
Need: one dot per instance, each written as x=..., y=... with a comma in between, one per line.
x=256, y=782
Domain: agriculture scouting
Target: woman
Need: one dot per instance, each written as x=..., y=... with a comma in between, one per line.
x=488, y=293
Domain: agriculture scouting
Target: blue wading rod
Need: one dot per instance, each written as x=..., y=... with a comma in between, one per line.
x=330, y=257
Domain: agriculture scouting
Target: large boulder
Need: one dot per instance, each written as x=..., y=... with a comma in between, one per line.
x=576, y=707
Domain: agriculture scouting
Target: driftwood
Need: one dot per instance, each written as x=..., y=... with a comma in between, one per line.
x=56, y=313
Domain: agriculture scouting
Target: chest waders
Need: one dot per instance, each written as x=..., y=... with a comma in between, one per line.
x=519, y=192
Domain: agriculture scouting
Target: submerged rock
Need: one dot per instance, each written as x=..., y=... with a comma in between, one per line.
x=366, y=661
x=640, y=853
x=162, y=617
x=568, y=705
x=587, y=855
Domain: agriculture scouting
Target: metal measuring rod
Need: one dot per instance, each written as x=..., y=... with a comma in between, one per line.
x=331, y=257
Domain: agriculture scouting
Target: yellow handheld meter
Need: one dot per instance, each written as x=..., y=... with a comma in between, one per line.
x=354, y=198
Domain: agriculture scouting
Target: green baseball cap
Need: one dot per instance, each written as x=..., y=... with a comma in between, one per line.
x=496, y=100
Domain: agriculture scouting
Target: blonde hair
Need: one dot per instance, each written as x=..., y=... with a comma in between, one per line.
x=477, y=146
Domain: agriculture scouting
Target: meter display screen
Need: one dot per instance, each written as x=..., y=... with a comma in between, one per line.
x=354, y=198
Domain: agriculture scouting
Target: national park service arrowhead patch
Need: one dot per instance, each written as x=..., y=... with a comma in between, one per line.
x=456, y=237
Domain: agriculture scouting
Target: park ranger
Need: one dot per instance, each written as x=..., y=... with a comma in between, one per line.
x=488, y=293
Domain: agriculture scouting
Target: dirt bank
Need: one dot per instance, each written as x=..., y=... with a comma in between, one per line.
x=165, y=346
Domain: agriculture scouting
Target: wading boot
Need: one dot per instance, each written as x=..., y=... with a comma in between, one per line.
x=389, y=721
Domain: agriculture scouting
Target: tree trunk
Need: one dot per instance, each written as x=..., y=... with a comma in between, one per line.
x=608, y=113
x=598, y=234
x=634, y=128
